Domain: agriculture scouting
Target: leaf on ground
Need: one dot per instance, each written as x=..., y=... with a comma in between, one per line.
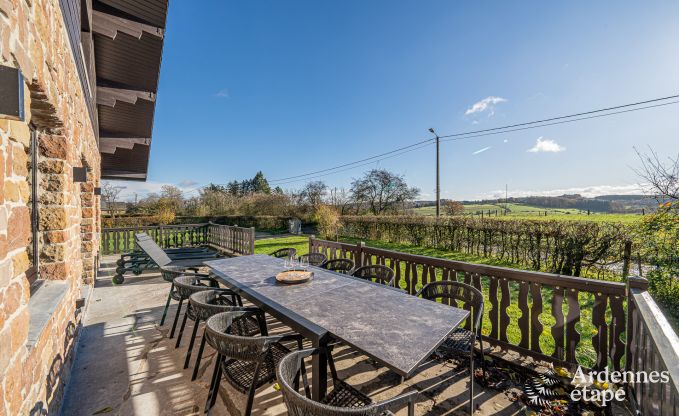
x=107, y=409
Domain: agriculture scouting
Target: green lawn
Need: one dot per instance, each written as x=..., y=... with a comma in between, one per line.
x=584, y=351
x=521, y=211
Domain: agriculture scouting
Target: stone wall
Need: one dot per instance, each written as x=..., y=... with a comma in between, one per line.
x=34, y=367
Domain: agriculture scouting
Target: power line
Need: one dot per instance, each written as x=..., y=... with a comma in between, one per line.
x=474, y=134
x=504, y=129
x=422, y=145
x=557, y=122
x=353, y=163
x=671, y=97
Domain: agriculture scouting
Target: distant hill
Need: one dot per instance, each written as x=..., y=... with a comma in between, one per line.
x=603, y=203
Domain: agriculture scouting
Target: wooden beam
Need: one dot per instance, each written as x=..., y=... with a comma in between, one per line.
x=110, y=144
x=108, y=96
x=109, y=25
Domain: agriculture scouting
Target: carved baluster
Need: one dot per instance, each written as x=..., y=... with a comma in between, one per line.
x=573, y=317
x=617, y=347
x=504, y=304
x=600, y=340
x=536, y=326
x=558, y=328
x=524, y=320
x=494, y=308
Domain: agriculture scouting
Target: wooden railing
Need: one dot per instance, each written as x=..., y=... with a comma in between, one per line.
x=228, y=239
x=530, y=298
x=121, y=240
x=613, y=312
x=231, y=239
x=653, y=346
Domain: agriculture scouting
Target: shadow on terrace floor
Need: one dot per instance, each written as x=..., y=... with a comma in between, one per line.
x=126, y=365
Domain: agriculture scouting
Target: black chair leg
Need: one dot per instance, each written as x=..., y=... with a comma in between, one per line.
x=212, y=390
x=181, y=328
x=471, y=380
x=218, y=380
x=196, y=323
x=176, y=318
x=199, y=356
x=167, y=305
x=251, y=392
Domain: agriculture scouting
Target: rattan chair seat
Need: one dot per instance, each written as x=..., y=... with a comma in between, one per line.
x=240, y=373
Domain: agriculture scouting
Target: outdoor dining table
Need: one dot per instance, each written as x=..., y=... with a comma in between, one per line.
x=387, y=324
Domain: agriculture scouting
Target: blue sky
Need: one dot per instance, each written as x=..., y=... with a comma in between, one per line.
x=289, y=87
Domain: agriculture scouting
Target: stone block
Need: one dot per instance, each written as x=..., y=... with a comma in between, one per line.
x=19, y=328
x=19, y=227
x=19, y=132
x=20, y=263
x=52, y=166
x=53, y=218
x=55, y=271
x=54, y=146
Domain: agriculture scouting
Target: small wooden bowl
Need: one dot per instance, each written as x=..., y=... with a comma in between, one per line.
x=293, y=277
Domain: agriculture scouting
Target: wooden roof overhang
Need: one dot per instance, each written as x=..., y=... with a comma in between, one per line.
x=127, y=37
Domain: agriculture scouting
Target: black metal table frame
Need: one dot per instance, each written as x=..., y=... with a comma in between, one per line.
x=318, y=336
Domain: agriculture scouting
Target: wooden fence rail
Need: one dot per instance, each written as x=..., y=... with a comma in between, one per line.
x=653, y=346
x=229, y=239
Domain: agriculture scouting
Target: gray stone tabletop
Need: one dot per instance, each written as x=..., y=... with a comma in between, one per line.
x=389, y=325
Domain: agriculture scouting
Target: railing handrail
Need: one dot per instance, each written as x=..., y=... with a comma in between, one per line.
x=152, y=227
x=557, y=280
x=662, y=352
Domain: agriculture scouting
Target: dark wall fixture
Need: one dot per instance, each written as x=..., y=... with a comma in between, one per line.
x=79, y=174
x=97, y=191
x=11, y=93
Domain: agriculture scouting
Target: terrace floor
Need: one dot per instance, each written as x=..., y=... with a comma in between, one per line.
x=125, y=364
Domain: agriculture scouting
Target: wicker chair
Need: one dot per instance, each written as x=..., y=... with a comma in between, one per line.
x=247, y=362
x=314, y=259
x=185, y=286
x=285, y=253
x=344, y=266
x=206, y=303
x=169, y=273
x=342, y=400
x=462, y=340
x=376, y=273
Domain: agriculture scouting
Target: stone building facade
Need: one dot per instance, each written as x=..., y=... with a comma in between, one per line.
x=40, y=291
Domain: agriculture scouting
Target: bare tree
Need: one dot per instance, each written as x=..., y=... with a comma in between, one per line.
x=314, y=192
x=382, y=191
x=109, y=195
x=661, y=177
x=340, y=199
x=453, y=207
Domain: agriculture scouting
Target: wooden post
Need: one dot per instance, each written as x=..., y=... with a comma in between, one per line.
x=359, y=255
x=252, y=240
x=626, y=258
x=311, y=239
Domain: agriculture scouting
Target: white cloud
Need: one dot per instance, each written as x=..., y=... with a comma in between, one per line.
x=224, y=93
x=546, y=146
x=186, y=183
x=482, y=150
x=586, y=191
x=487, y=103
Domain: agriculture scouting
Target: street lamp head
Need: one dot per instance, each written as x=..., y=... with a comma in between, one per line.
x=431, y=130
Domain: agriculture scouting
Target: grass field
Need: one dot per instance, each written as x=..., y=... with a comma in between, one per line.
x=584, y=351
x=521, y=211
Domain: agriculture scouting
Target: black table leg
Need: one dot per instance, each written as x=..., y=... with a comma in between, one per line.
x=319, y=371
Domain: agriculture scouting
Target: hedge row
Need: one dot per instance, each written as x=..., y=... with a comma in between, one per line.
x=261, y=222
x=564, y=247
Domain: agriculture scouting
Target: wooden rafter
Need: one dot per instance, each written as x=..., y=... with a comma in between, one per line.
x=108, y=96
x=110, y=144
x=109, y=25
